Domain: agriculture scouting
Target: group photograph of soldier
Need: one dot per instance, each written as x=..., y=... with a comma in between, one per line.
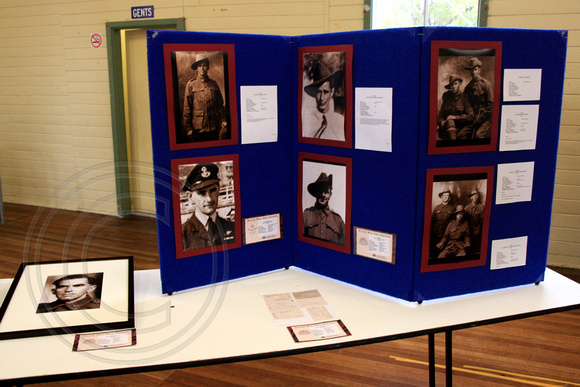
x=465, y=98
x=457, y=220
x=201, y=107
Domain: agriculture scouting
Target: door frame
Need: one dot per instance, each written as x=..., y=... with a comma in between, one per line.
x=114, y=59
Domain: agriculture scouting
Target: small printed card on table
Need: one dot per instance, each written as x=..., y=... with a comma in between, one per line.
x=319, y=331
x=103, y=340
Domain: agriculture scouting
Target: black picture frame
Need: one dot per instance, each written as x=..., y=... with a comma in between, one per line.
x=19, y=316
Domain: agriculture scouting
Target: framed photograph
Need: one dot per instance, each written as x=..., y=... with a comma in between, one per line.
x=464, y=97
x=200, y=85
x=62, y=297
x=324, y=201
x=457, y=208
x=206, y=201
x=325, y=95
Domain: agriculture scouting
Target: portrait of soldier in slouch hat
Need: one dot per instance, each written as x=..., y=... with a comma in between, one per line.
x=325, y=95
x=320, y=221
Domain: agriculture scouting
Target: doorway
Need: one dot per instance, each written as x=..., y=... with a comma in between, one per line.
x=128, y=82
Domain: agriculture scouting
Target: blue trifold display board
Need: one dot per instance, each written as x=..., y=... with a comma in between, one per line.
x=388, y=188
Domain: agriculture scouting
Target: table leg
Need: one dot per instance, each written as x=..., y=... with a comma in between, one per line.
x=1, y=205
x=431, y=359
x=448, y=359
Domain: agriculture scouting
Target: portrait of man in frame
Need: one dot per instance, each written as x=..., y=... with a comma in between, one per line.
x=71, y=292
x=201, y=95
x=325, y=101
x=206, y=216
x=325, y=201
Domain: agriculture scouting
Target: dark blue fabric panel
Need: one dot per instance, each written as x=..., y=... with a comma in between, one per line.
x=266, y=170
x=521, y=49
x=388, y=189
x=383, y=184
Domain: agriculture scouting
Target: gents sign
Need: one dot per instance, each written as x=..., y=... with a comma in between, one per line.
x=142, y=12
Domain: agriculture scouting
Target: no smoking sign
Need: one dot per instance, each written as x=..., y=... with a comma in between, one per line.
x=96, y=40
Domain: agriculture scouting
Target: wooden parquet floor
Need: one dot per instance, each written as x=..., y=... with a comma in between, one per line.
x=537, y=351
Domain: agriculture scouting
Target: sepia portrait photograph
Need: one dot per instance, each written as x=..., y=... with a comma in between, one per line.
x=457, y=206
x=206, y=199
x=464, y=99
x=71, y=292
x=325, y=95
x=201, y=97
x=324, y=201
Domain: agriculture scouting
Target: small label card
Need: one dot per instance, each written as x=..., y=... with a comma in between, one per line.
x=102, y=340
x=522, y=84
x=262, y=228
x=373, y=118
x=374, y=244
x=320, y=331
x=514, y=183
x=509, y=252
x=259, y=114
x=519, y=127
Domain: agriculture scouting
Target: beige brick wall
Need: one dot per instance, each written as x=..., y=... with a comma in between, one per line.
x=564, y=247
x=56, y=145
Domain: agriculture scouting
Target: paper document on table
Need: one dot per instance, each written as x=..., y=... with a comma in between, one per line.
x=298, y=308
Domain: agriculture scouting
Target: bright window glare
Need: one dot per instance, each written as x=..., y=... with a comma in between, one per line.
x=411, y=13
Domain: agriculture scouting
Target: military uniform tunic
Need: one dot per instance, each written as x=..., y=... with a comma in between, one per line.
x=474, y=214
x=455, y=239
x=323, y=224
x=440, y=218
x=203, y=110
x=195, y=236
x=459, y=106
x=61, y=306
x=480, y=94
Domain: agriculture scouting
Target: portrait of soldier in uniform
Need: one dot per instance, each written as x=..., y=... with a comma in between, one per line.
x=456, y=239
x=479, y=91
x=72, y=292
x=324, y=215
x=323, y=98
x=320, y=221
x=440, y=218
x=455, y=119
x=201, y=105
x=207, y=205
